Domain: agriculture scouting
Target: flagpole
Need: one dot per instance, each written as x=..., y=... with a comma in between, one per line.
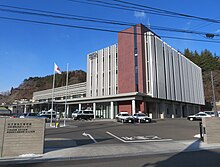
x=67, y=79
x=51, y=115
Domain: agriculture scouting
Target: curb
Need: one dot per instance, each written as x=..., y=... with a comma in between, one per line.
x=40, y=158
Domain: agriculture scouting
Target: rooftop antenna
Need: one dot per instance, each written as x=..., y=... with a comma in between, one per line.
x=148, y=22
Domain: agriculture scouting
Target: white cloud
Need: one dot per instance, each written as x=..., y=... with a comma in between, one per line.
x=218, y=31
x=188, y=23
x=139, y=14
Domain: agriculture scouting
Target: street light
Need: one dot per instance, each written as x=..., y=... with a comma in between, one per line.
x=213, y=94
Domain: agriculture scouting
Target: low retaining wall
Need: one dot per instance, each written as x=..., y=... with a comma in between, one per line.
x=211, y=130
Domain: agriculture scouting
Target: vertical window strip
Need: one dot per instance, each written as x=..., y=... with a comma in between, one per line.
x=136, y=59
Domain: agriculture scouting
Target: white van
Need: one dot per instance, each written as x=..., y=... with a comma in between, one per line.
x=83, y=114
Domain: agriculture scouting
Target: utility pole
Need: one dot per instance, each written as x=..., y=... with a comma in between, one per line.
x=213, y=96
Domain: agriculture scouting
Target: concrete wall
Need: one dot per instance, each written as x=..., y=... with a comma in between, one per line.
x=212, y=130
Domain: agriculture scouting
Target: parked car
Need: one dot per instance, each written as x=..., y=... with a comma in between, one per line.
x=74, y=114
x=141, y=118
x=14, y=116
x=212, y=113
x=34, y=115
x=198, y=116
x=28, y=115
x=48, y=114
x=22, y=115
x=83, y=114
x=124, y=117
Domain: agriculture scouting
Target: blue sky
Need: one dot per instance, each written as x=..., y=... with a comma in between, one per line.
x=30, y=49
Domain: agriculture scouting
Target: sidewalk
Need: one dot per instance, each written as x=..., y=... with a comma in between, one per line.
x=125, y=149
x=94, y=151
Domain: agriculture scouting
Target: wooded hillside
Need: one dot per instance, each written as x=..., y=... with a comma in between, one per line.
x=33, y=84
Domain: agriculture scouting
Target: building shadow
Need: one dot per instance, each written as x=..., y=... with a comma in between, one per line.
x=192, y=156
x=53, y=145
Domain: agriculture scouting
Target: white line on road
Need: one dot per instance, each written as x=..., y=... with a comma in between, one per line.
x=90, y=136
x=116, y=137
x=136, y=141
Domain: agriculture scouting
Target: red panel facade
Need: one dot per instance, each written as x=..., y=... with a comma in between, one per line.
x=126, y=66
x=143, y=107
x=125, y=106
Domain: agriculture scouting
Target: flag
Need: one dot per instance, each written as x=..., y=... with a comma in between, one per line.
x=56, y=69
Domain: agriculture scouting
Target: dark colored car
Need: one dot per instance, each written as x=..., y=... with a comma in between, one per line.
x=34, y=115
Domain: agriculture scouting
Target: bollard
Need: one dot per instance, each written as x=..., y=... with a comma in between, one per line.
x=57, y=124
x=201, y=132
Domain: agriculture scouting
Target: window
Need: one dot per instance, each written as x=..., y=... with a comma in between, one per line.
x=116, y=58
x=136, y=71
x=103, y=62
x=168, y=112
x=97, y=64
x=91, y=81
x=97, y=81
x=109, y=62
x=103, y=79
x=109, y=78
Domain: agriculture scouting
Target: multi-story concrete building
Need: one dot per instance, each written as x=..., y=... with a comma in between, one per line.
x=140, y=73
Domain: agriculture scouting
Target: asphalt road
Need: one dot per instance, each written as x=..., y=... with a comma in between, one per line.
x=110, y=132
x=205, y=158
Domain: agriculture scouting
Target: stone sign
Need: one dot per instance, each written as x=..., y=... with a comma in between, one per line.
x=211, y=129
x=21, y=136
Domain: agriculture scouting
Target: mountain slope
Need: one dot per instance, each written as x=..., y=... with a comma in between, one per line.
x=33, y=84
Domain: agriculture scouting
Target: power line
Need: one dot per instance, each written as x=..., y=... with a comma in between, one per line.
x=92, y=19
x=143, y=8
x=62, y=14
x=122, y=7
x=65, y=17
x=202, y=25
x=97, y=29
x=167, y=11
x=190, y=39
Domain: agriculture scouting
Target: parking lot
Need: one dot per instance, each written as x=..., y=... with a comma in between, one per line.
x=112, y=132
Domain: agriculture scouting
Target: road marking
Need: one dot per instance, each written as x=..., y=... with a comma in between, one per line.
x=116, y=137
x=142, y=139
x=90, y=136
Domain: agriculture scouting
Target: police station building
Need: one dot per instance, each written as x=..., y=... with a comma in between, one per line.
x=139, y=73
